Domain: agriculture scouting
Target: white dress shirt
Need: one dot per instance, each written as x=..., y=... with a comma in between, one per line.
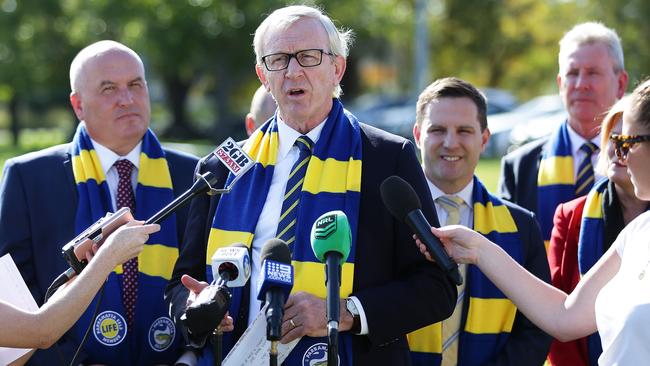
x=107, y=158
x=466, y=211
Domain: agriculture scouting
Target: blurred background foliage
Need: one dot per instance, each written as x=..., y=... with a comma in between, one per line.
x=200, y=63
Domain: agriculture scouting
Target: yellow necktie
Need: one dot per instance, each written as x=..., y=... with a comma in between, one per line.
x=451, y=325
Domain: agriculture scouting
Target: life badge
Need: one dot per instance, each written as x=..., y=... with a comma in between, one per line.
x=109, y=328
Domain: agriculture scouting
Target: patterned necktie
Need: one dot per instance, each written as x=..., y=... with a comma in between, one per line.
x=451, y=325
x=126, y=198
x=585, y=177
x=287, y=225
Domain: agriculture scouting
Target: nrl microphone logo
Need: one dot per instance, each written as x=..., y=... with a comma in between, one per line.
x=232, y=156
x=325, y=227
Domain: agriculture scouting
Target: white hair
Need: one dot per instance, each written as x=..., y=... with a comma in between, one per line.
x=339, y=40
x=94, y=50
x=590, y=33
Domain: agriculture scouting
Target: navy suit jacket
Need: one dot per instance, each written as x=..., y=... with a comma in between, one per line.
x=399, y=290
x=38, y=204
x=518, y=179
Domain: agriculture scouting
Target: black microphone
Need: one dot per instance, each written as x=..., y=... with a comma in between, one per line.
x=230, y=268
x=276, y=284
x=203, y=184
x=402, y=202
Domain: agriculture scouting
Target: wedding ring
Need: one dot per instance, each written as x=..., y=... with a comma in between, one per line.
x=292, y=323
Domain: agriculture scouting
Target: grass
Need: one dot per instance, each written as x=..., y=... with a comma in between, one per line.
x=488, y=172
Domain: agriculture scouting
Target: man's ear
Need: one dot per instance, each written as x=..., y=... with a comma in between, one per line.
x=75, y=101
x=339, y=68
x=249, y=124
x=416, y=134
x=262, y=77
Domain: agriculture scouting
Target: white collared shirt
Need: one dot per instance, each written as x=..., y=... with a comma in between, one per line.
x=466, y=211
x=107, y=158
x=578, y=155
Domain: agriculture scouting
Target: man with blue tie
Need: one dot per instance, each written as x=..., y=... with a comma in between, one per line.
x=311, y=158
x=552, y=170
x=485, y=327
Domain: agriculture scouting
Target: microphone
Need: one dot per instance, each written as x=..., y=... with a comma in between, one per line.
x=402, y=202
x=229, y=154
x=275, y=285
x=330, y=240
x=231, y=267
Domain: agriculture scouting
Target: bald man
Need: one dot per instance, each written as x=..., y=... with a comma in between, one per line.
x=115, y=160
x=262, y=108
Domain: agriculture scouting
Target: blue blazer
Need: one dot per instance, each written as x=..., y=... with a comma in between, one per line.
x=38, y=204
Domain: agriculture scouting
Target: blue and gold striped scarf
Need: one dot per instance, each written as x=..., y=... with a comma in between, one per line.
x=155, y=262
x=487, y=321
x=332, y=182
x=555, y=179
x=591, y=248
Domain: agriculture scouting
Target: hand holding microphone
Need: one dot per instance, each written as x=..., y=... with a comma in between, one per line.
x=402, y=202
x=206, y=311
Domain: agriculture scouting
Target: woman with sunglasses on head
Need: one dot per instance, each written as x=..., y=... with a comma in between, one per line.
x=580, y=237
x=613, y=297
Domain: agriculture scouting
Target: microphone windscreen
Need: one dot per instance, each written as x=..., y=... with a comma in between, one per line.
x=331, y=233
x=399, y=197
x=276, y=250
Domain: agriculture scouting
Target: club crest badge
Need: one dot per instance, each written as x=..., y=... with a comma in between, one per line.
x=161, y=334
x=316, y=355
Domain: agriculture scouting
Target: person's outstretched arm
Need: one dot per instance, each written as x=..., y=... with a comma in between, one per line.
x=40, y=329
x=564, y=317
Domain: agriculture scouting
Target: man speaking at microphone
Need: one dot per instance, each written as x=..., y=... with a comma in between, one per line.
x=314, y=157
x=114, y=160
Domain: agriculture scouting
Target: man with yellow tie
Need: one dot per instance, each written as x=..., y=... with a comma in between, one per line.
x=485, y=327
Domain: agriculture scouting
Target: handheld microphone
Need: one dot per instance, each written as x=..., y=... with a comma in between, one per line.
x=402, y=202
x=231, y=267
x=330, y=240
x=275, y=285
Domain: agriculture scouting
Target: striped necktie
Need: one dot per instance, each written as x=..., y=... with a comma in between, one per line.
x=585, y=177
x=126, y=198
x=287, y=225
x=451, y=326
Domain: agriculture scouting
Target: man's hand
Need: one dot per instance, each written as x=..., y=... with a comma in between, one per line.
x=306, y=315
x=195, y=287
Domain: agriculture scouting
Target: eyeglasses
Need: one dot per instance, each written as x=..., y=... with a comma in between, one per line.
x=623, y=144
x=305, y=58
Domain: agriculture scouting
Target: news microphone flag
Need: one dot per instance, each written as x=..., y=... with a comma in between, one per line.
x=277, y=270
x=234, y=262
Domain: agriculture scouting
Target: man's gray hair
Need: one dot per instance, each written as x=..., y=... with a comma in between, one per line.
x=339, y=40
x=590, y=33
x=93, y=50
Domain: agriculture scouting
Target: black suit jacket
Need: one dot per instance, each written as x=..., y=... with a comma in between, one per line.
x=399, y=290
x=518, y=179
x=38, y=204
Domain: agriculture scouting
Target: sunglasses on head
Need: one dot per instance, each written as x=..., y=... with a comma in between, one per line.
x=623, y=143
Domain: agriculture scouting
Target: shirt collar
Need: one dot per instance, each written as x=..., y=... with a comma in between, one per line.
x=107, y=157
x=465, y=193
x=577, y=141
x=287, y=136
